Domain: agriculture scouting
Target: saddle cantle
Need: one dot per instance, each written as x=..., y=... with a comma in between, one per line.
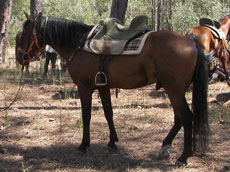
x=207, y=21
x=111, y=37
x=213, y=26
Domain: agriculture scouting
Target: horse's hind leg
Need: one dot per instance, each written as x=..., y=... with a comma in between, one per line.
x=86, y=103
x=183, y=118
x=167, y=142
x=104, y=93
x=186, y=118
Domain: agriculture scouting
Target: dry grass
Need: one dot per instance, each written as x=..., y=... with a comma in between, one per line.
x=43, y=129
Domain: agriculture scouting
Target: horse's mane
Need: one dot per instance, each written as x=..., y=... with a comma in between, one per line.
x=62, y=32
x=18, y=38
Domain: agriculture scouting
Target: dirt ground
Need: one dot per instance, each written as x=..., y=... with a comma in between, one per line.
x=43, y=129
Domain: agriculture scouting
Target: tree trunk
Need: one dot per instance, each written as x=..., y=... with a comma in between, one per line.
x=156, y=15
x=159, y=15
x=4, y=12
x=163, y=14
x=5, y=40
x=3, y=9
x=118, y=9
x=169, y=15
x=35, y=7
x=152, y=13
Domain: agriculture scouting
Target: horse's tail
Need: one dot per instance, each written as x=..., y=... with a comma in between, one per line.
x=191, y=36
x=199, y=104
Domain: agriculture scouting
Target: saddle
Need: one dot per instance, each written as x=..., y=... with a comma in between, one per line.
x=210, y=22
x=214, y=27
x=113, y=36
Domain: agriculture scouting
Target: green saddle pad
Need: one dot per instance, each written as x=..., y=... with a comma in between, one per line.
x=112, y=37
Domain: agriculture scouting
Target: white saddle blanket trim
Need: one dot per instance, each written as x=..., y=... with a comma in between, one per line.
x=218, y=33
x=138, y=51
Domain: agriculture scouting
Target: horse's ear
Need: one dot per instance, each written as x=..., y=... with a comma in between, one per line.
x=40, y=14
x=28, y=16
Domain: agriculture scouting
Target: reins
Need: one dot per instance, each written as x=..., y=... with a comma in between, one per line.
x=21, y=85
x=18, y=92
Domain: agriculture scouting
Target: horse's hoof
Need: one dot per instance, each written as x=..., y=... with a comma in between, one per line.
x=228, y=82
x=163, y=153
x=83, y=148
x=112, y=146
x=180, y=164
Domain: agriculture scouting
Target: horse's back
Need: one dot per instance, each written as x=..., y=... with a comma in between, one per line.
x=203, y=37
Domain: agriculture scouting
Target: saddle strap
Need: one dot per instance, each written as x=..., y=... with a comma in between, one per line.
x=217, y=33
x=101, y=77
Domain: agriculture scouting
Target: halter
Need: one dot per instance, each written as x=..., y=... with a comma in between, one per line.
x=34, y=41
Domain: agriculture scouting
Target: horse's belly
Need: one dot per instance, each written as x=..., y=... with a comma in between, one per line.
x=132, y=82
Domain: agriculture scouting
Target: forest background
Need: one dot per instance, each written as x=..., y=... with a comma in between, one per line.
x=44, y=128
x=176, y=15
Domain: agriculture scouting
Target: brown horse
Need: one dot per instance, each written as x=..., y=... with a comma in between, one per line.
x=18, y=61
x=204, y=37
x=167, y=56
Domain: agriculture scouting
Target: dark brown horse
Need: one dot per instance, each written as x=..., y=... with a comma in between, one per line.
x=167, y=56
x=204, y=37
x=18, y=61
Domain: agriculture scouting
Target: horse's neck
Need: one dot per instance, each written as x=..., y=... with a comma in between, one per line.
x=225, y=27
x=65, y=51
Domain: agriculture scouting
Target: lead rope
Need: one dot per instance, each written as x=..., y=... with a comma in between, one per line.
x=18, y=93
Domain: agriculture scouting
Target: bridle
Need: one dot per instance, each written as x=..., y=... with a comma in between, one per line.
x=33, y=42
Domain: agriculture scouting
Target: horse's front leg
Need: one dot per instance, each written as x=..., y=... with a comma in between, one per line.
x=105, y=95
x=225, y=66
x=224, y=59
x=86, y=103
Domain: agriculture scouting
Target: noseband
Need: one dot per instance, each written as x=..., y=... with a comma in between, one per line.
x=34, y=41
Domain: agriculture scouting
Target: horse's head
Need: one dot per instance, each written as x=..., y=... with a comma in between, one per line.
x=19, y=53
x=30, y=42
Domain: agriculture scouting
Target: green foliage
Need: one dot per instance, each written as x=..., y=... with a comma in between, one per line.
x=17, y=17
x=186, y=16
x=137, y=7
x=87, y=11
x=181, y=21
x=183, y=16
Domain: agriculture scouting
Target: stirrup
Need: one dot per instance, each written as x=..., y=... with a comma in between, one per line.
x=102, y=75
